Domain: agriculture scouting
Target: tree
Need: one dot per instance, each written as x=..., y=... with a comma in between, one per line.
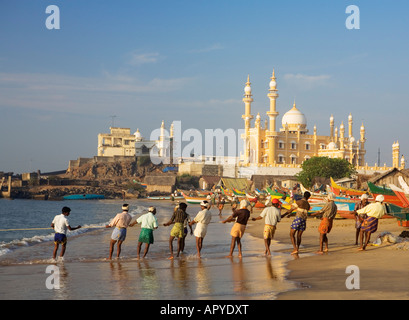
x=324, y=167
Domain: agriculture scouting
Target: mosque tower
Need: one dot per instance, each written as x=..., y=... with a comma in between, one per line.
x=272, y=115
x=247, y=119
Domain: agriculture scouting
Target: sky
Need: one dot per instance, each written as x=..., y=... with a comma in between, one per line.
x=133, y=63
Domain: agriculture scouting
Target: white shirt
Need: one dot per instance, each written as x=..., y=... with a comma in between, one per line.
x=272, y=215
x=61, y=224
x=203, y=217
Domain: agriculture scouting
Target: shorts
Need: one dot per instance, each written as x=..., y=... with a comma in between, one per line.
x=178, y=230
x=269, y=231
x=119, y=234
x=60, y=238
x=325, y=226
x=238, y=230
x=146, y=236
x=299, y=224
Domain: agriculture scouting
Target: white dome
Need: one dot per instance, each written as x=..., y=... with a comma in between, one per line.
x=273, y=84
x=138, y=135
x=247, y=89
x=332, y=146
x=294, y=117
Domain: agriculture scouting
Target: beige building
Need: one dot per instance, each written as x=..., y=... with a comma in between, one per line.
x=119, y=142
x=292, y=143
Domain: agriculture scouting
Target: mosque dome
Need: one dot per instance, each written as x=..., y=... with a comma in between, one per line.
x=294, y=117
x=138, y=135
x=332, y=146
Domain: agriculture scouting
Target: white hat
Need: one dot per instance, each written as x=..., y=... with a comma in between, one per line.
x=151, y=209
x=380, y=198
x=364, y=196
x=204, y=203
x=125, y=207
x=243, y=204
x=268, y=203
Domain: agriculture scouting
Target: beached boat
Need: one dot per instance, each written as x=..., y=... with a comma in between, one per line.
x=274, y=193
x=85, y=196
x=337, y=189
x=401, y=214
x=165, y=198
x=193, y=200
x=388, y=194
x=403, y=197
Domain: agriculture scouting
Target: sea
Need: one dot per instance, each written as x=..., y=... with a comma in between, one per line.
x=28, y=272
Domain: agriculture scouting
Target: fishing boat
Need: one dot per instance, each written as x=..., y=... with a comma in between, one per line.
x=193, y=200
x=84, y=196
x=401, y=214
x=165, y=198
x=388, y=194
x=403, y=197
x=337, y=189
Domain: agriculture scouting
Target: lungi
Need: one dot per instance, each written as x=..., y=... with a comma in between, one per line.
x=200, y=230
x=370, y=224
x=238, y=230
x=269, y=231
x=325, y=225
x=178, y=230
x=146, y=236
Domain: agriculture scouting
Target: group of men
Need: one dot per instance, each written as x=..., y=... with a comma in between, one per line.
x=367, y=216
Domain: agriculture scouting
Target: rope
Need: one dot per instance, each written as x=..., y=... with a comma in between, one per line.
x=28, y=229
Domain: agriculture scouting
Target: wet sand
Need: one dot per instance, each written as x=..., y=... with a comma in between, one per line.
x=383, y=269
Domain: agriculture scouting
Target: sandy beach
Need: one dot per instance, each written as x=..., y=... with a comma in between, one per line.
x=383, y=269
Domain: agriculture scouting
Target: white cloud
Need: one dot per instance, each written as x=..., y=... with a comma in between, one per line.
x=307, y=81
x=79, y=94
x=137, y=58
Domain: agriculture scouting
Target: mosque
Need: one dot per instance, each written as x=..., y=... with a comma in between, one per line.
x=292, y=144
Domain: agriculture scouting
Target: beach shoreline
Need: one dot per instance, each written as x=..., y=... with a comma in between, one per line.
x=382, y=269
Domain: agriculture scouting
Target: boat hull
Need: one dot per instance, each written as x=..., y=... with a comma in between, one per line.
x=84, y=197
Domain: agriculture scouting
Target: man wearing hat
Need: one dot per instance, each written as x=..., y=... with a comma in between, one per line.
x=120, y=222
x=359, y=218
x=148, y=223
x=202, y=219
x=272, y=216
x=374, y=212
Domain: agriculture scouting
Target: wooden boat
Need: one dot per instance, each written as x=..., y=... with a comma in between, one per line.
x=388, y=194
x=401, y=214
x=85, y=196
x=403, y=197
x=165, y=198
x=345, y=191
x=274, y=193
x=193, y=200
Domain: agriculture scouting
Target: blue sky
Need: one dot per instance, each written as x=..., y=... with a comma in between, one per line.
x=148, y=61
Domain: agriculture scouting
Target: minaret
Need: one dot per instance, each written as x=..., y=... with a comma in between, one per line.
x=331, y=125
x=395, y=154
x=162, y=140
x=363, y=139
x=272, y=115
x=350, y=125
x=341, y=135
x=247, y=119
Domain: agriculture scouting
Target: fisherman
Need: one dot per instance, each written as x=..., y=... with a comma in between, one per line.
x=374, y=212
x=328, y=212
x=272, y=216
x=237, y=231
x=60, y=225
x=202, y=220
x=121, y=223
x=148, y=223
x=178, y=218
x=359, y=218
x=299, y=224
